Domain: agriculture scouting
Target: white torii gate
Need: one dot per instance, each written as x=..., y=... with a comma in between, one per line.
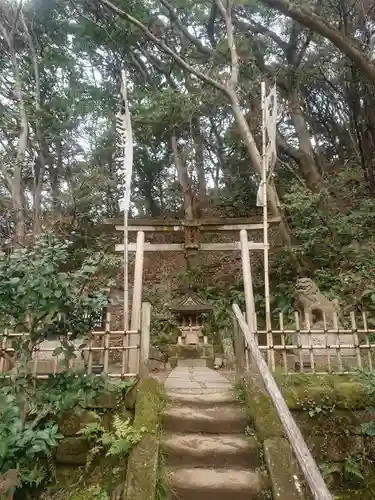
x=269, y=117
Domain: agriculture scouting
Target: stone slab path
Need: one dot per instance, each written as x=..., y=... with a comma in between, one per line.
x=196, y=380
x=207, y=455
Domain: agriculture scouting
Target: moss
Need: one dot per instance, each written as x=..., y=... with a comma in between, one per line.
x=309, y=379
x=94, y=492
x=346, y=395
x=364, y=491
x=108, y=473
x=72, y=450
x=334, y=448
x=143, y=459
x=286, y=478
x=71, y=422
x=261, y=409
x=150, y=401
x=333, y=422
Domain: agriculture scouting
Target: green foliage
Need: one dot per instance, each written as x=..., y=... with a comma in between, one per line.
x=336, y=243
x=29, y=412
x=239, y=392
x=94, y=492
x=117, y=442
x=38, y=297
x=315, y=410
x=368, y=379
x=220, y=320
x=25, y=439
x=63, y=391
x=164, y=326
x=351, y=470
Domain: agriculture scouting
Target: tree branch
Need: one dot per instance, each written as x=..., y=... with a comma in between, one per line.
x=181, y=62
x=158, y=65
x=316, y=23
x=227, y=16
x=260, y=30
x=174, y=18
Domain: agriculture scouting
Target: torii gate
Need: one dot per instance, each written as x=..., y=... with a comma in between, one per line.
x=191, y=243
x=193, y=228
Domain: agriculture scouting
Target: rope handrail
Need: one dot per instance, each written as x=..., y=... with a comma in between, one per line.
x=307, y=463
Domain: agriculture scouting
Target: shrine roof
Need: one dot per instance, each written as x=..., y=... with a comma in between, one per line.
x=190, y=302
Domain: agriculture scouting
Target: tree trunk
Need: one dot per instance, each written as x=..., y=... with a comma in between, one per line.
x=256, y=159
x=184, y=180
x=54, y=172
x=306, y=160
x=39, y=168
x=199, y=163
x=191, y=209
x=18, y=214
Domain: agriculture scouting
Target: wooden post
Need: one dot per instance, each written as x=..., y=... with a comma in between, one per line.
x=247, y=280
x=145, y=339
x=265, y=163
x=137, y=287
x=239, y=349
x=133, y=339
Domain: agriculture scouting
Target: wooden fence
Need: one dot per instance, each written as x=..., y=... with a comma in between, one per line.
x=323, y=348
x=246, y=343
x=104, y=351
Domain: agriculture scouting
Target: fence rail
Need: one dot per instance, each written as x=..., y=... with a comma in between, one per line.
x=246, y=341
x=101, y=351
x=322, y=348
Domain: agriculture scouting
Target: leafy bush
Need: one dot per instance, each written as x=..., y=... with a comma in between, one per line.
x=164, y=327
x=350, y=471
x=39, y=298
x=114, y=443
x=29, y=412
x=335, y=239
x=220, y=320
x=24, y=442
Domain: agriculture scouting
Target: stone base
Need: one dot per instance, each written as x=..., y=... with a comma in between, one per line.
x=179, y=353
x=349, y=363
x=191, y=351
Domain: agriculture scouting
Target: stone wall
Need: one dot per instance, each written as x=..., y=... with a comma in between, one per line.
x=73, y=449
x=330, y=412
x=331, y=418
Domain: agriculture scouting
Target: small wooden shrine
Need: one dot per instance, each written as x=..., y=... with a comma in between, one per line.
x=189, y=310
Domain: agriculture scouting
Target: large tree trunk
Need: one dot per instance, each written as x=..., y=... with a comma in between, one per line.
x=18, y=214
x=185, y=182
x=306, y=159
x=191, y=209
x=256, y=159
x=23, y=137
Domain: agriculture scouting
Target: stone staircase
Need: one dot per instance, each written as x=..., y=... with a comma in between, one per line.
x=206, y=452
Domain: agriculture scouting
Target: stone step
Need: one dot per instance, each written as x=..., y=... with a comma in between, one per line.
x=206, y=400
x=228, y=419
x=192, y=362
x=223, y=450
x=191, y=351
x=215, y=484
